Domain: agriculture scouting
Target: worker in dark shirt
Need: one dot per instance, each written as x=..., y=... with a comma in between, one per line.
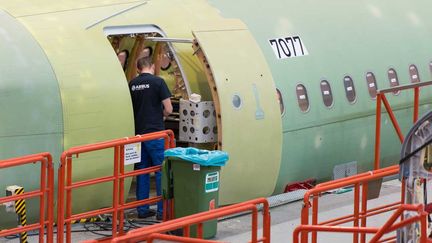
x=151, y=105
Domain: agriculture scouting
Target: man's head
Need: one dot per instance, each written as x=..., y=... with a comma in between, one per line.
x=145, y=65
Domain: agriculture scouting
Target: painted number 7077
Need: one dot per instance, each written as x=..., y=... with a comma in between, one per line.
x=288, y=47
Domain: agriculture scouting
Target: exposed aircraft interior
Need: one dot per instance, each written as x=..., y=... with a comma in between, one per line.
x=131, y=47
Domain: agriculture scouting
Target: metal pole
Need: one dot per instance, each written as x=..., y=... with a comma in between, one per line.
x=416, y=103
x=43, y=190
x=377, y=132
x=364, y=210
x=121, y=190
x=315, y=216
x=356, y=210
x=115, y=191
x=68, y=199
x=393, y=119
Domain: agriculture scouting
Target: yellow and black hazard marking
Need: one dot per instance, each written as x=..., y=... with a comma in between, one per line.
x=20, y=209
x=83, y=221
x=89, y=220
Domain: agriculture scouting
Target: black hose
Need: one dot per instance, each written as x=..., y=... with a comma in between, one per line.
x=404, y=159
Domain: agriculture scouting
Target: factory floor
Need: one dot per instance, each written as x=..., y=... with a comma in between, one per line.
x=284, y=219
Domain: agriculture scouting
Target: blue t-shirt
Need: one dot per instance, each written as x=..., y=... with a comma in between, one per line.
x=147, y=92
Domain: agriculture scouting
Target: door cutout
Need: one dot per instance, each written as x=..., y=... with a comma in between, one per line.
x=131, y=43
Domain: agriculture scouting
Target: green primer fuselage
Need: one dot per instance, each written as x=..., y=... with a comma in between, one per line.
x=343, y=38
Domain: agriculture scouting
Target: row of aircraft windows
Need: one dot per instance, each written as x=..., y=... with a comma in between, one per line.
x=350, y=92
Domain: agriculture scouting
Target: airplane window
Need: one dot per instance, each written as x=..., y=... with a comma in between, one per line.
x=326, y=93
x=372, y=86
x=430, y=67
x=236, y=101
x=280, y=101
x=146, y=52
x=414, y=75
x=123, y=58
x=349, y=89
x=302, y=97
x=167, y=58
x=393, y=79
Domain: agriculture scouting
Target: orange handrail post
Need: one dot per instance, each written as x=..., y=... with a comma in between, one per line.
x=121, y=199
x=377, y=132
x=416, y=103
x=364, y=210
x=66, y=185
x=424, y=227
x=45, y=194
x=315, y=206
x=305, y=218
x=254, y=225
x=356, y=210
x=200, y=231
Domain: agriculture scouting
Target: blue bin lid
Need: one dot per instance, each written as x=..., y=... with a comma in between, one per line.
x=199, y=156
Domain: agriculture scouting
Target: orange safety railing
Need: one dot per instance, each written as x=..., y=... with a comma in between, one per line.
x=360, y=209
x=173, y=238
x=360, y=182
x=170, y=238
x=381, y=98
x=198, y=219
x=65, y=184
x=45, y=194
x=388, y=227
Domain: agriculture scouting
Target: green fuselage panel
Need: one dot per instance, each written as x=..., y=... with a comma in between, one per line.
x=62, y=85
x=243, y=81
x=94, y=93
x=31, y=117
x=342, y=38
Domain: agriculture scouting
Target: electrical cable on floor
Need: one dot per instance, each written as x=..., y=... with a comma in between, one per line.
x=102, y=226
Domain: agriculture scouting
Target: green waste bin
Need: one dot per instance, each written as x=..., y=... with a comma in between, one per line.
x=193, y=181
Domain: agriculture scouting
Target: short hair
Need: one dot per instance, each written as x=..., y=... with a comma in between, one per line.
x=144, y=62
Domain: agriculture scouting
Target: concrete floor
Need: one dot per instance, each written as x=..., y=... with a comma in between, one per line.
x=284, y=219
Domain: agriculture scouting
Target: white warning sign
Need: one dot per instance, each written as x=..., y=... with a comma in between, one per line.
x=132, y=153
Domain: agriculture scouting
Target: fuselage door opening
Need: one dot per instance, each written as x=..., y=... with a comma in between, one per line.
x=131, y=43
x=247, y=110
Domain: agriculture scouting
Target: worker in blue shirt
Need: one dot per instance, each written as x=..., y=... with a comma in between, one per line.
x=151, y=105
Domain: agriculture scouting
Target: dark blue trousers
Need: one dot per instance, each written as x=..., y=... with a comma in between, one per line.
x=152, y=154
